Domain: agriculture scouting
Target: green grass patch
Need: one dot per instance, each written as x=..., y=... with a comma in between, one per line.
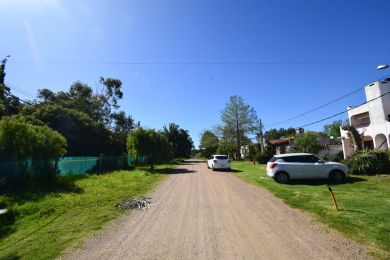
x=364, y=203
x=43, y=223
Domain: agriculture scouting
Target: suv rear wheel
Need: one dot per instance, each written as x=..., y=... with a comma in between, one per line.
x=282, y=177
x=337, y=177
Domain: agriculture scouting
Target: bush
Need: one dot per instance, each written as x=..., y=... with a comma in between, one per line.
x=28, y=152
x=306, y=143
x=266, y=155
x=150, y=144
x=368, y=162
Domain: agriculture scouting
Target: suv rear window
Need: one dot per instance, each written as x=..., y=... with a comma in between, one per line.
x=222, y=157
x=273, y=159
x=293, y=159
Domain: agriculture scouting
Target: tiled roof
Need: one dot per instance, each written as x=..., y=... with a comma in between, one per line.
x=282, y=140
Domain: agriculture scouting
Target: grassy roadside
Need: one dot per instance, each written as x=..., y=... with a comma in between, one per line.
x=364, y=202
x=49, y=222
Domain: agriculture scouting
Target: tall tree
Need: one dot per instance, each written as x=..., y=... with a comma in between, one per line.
x=209, y=143
x=123, y=125
x=274, y=133
x=9, y=104
x=104, y=122
x=239, y=120
x=333, y=129
x=180, y=139
x=150, y=144
x=307, y=143
x=85, y=136
x=99, y=105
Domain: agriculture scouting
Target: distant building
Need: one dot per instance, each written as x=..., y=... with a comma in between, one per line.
x=244, y=151
x=282, y=145
x=371, y=120
x=332, y=146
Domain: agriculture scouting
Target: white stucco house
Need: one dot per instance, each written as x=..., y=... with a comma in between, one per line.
x=371, y=120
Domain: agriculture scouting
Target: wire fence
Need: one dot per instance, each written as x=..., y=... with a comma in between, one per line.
x=15, y=170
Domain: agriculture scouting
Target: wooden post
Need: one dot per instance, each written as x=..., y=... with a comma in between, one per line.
x=101, y=159
x=334, y=199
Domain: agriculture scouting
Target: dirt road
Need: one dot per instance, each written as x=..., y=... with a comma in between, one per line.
x=200, y=214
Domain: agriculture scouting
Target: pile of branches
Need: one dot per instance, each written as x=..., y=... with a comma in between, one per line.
x=139, y=203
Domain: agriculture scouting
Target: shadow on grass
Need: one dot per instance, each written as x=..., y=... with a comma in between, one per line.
x=235, y=170
x=11, y=196
x=352, y=211
x=11, y=257
x=63, y=184
x=318, y=182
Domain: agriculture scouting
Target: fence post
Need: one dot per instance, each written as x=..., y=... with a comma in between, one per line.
x=101, y=159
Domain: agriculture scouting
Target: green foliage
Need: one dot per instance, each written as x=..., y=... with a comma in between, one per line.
x=105, y=129
x=9, y=104
x=179, y=139
x=266, y=155
x=239, y=120
x=306, y=143
x=97, y=105
x=150, y=144
x=368, y=162
x=21, y=141
x=274, y=133
x=209, y=143
x=85, y=136
x=333, y=129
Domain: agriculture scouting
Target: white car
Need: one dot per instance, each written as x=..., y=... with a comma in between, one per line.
x=219, y=161
x=286, y=167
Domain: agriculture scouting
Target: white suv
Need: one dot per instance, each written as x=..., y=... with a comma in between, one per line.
x=219, y=162
x=285, y=167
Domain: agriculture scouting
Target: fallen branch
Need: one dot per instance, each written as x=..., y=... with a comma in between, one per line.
x=139, y=203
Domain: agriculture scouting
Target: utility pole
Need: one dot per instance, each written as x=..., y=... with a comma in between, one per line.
x=260, y=135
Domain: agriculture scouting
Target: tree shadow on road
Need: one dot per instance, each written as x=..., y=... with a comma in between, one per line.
x=170, y=171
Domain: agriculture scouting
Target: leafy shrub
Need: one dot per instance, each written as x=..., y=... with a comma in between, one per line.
x=266, y=155
x=150, y=144
x=368, y=162
x=307, y=143
x=29, y=151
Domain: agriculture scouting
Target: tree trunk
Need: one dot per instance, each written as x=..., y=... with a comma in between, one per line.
x=355, y=136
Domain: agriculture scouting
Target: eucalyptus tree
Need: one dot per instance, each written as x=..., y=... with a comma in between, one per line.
x=239, y=123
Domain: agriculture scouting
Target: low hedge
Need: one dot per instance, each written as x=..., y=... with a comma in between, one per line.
x=368, y=162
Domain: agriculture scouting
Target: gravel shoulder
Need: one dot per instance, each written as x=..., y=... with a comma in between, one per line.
x=201, y=214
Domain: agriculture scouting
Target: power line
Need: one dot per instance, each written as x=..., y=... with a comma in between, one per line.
x=317, y=108
x=108, y=62
x=340, y=113
x=20, y=90
x=20, y=100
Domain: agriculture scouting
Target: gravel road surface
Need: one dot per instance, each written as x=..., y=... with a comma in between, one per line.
x=201, y=214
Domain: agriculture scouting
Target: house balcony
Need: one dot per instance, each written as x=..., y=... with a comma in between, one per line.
x=360, y=120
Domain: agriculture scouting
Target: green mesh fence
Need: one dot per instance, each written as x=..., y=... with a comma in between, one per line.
x=12, y=170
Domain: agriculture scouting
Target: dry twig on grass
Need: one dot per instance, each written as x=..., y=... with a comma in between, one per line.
x=139, y=203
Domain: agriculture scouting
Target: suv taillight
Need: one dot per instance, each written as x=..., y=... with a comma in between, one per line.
x=273, y=165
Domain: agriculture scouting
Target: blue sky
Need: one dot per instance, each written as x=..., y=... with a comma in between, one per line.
x=179, y=61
